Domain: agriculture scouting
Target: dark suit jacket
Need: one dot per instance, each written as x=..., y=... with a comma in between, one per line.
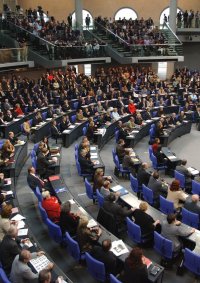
x=137, y=275
x=156, y=187
x=33, y=182
x=129, y=164
x=8, y=250
x=54, y=132
x=86, y=165
x=120, y=150
x=68, y=223
x=191, y=206
x=108, y=258
x=42, y=164
x=143, y=177
x=144, y=220
x=116, y=210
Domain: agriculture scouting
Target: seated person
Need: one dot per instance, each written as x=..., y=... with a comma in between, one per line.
x=122, y=131
x=52, y=206
x=86, y=112
x=158, y=188
x=147, y=224
x=90, y=132
x=8, y=150
x=103, y=254
x=5, y=222
x=8, y=116
x=87, y=237
x=115, y=209
x=135, y=267
x=131, y=107
x=147, y=114
x=105, y=189
x=183, y=170
x=138, y=119
x=155, y=145
x=14, y=140
x=33, y=180
x=192, y=204
x=50, y=112
x=55, y=133
x=44, y=164
x=115, y=115
x=68, y=220
x=107, y=117
x=176, y=194
x=130, y=125
x=66, y=106
x=142, y=175
x=18, y=111
x=128, y=163
x=65, y=123
x=172, y=230
x=120, y=150
x=173, y=120
x=2, y=122
x=99, y=178
x=37, y=119
x=79, y=116
x=87, y=166
x=160, y=156
x=27, y=127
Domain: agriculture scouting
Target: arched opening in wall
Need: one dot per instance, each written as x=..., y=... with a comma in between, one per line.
x=85, y=13
x=164, y=16
x=126, y=13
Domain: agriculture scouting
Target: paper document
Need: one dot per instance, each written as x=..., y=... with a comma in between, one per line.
x=40, y=263
x=92, y=223
x=18, y=217
x=22, y=232
x=119, y=248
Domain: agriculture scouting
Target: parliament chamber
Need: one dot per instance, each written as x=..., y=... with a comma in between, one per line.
x=99, y=136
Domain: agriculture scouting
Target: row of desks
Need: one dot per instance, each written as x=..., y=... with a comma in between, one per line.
x=64, y=195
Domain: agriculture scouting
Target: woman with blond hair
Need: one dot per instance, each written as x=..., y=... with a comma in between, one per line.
x=8, y=150
x=87, y=237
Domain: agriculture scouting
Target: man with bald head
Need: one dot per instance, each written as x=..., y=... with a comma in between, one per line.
x=20, y=271
x=192, y=204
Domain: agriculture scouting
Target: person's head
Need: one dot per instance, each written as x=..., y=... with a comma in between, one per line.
x=175, y=186
x=99, y=172
x=24, y=256
x=135, y=258
x=195, y=198
x=121, y=142
x=11, y=135
x=44, y=151
x=119, y=123
x=143, y=206
x=83, y=152
x=83, y=222
x=127, y=151
x=6, y=211
x=171, y=218
x=45, y=139
x=156, y=175
x=66, y=207
x=44, y=276
x=106, y=245
x=157, y=140
x=145, y=165
x=106, y=184
x=31, y=170
x=12, y=231
x=46, y=194
x=183, y=162
x=111, y=197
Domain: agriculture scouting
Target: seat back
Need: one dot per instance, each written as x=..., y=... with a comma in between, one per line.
x=38, y=194
x=117, y=164
x=192, y=261
x=54, y=231
x=96, y=268
x=89, y=189
x=134, y=184
x=116, y=135
x=190, y=218
x=36, y=145
x=42, y=212
x=107, y=220
x=163, y=246
x=113, y=154
x=73, y=118
x=150, y=151
x=166, y=206
x=134, y=231
x=147, y=194
x=84, y=131
x=180, y=177
x=154, y=161
x=3, y=276
x=44, y=116
x=195, y=187
x=76, y=147
x=113, y=279
x=100, y=198
x=73, y=247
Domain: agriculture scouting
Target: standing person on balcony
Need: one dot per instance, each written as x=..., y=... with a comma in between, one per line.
x=87, y=21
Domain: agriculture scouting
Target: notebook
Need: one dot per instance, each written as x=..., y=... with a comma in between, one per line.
x=120, y=189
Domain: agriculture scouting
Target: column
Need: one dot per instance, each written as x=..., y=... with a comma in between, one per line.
x=78, y=12
x=172, y=15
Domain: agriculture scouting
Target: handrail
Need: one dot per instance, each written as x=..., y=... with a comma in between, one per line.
x=112, y=33
x=173, y=33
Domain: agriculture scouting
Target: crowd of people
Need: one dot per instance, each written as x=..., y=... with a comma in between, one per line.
x=188, y=19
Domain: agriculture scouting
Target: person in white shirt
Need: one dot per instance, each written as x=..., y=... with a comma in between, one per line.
x=115, y=115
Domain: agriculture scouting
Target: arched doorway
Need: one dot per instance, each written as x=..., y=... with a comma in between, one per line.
x=126, y=13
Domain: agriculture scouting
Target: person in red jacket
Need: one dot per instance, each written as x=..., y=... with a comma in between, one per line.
x=18, y=111
x=52, y=206
x=131, y=107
